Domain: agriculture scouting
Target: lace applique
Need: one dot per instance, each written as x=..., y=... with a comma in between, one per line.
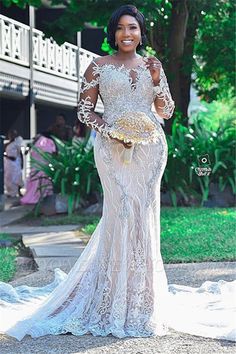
x=137, y=263
x=88, y=99
x=86, y=85
x=157, y=170
x=124, y=199
x=162, y=91
x=84, y=114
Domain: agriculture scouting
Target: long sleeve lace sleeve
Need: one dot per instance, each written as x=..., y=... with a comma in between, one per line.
x=88, y=99
x=161, y=94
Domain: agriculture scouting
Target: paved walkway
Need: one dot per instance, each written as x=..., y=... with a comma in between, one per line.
x=12, y=213
x=60, y=247
x=56, y=249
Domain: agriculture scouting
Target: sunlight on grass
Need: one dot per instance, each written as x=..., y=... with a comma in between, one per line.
x=8, y=256
x=7, y=259
x=187, y=234
x=198, y=234
x=7, y=263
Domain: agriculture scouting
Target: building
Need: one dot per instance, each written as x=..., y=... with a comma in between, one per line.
x=38, y=77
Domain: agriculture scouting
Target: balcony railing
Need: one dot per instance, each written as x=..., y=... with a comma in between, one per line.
x=14, y=41
x=48, y=56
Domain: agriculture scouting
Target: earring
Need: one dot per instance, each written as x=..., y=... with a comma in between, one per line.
x=140, y=42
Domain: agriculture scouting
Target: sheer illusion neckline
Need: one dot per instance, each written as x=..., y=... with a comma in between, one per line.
x=123, y=68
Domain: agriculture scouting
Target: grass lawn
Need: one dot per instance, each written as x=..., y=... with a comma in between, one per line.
x=8, y=258
x=74, y=219
x=198, y=234
x=187, y=234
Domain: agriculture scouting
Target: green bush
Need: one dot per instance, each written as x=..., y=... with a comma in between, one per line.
x=215, y=113
x=71, y=170
x=187, y=144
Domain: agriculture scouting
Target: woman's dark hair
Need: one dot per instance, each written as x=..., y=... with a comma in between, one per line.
x=130, y=10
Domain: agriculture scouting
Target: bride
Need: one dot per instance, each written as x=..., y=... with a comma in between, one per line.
x=118, y=285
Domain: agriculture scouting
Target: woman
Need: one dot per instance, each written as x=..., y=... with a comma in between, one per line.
x=13, y=164
x=118, y=285
x=38, y=185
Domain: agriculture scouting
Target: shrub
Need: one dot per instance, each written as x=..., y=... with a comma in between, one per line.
x=186, y=145
x=71, y=170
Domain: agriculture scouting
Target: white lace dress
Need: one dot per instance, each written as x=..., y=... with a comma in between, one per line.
x=118, y=285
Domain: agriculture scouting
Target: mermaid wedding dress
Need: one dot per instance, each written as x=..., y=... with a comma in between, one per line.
x=118, y=285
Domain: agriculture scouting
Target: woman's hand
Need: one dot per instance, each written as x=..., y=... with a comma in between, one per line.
x=154, y=65
x=126, y=145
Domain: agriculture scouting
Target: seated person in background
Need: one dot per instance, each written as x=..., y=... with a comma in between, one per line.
x=79, y=132
x=60, y=129
x=36, y=181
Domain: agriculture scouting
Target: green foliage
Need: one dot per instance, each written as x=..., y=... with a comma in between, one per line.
x=7, y=258
x=214, y=51
x=106, y=47
x=90, y=228
x=22, y=3
x=7, y=263
x=216, y=113
x=187, y=144
x=72, y=171
x=149, y=51
x=75, y=219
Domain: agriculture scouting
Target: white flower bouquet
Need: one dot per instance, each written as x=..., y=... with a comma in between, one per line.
x=135, y=128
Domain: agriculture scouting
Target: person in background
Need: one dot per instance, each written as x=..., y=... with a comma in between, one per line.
x=60, y=129
x=79, y=132
x=80, y=135
x=35, y=181
x=13, y=164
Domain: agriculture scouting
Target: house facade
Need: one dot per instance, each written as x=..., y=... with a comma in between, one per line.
x=38, y=78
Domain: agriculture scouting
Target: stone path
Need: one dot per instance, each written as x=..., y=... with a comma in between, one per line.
x=12, y=214
x=57, y=247
x=174, y=343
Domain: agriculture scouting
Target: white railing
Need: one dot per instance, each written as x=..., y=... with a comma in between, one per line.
x=14, y=41
x=85, y=57
x=47, y=55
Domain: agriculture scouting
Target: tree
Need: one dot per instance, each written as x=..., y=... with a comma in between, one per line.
x=188, y=36
x=215, y=51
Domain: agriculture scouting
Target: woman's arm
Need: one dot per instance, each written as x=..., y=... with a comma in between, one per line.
x=88, y=99
x=87, y=103
x=162, y=99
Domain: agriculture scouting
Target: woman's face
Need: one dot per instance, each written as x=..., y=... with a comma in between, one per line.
x=128, y=33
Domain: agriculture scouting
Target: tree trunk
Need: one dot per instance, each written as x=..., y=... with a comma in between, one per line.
x=177, y=35
x=185, y=74
x=185, y=18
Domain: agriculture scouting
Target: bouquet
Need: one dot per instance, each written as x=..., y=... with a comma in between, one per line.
x=135, y=128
